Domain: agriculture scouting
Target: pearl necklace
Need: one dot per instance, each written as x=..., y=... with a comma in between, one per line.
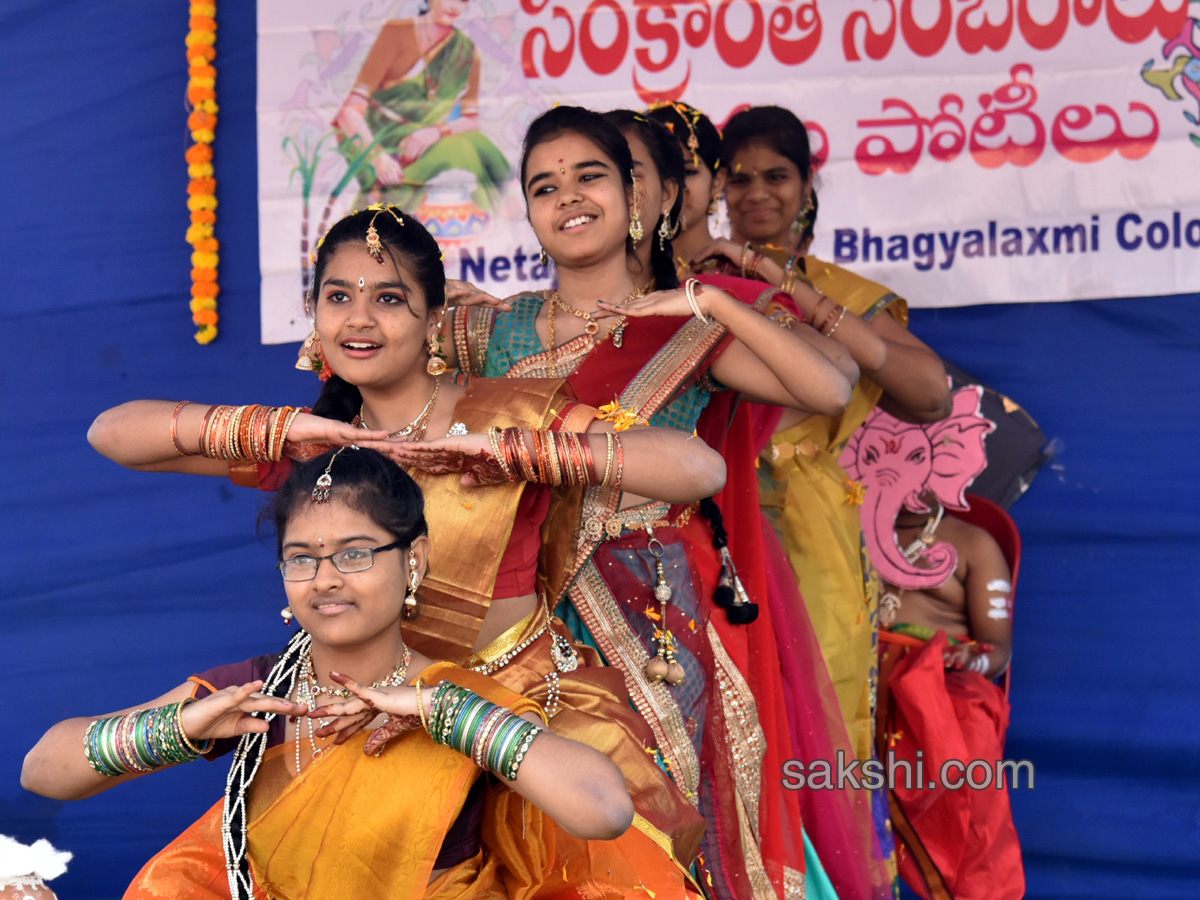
x=308, y=689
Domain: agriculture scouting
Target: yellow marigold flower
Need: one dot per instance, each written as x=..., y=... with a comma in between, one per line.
x=199, y=303
x=202, y=201
x=204, y=260
x=203, y=136
x=203, y=9
x=204, y=170
x=198, y=232
x=209, y=106
x=622, y=419
x=206, y=335
x=855, y=491
x=201, y=37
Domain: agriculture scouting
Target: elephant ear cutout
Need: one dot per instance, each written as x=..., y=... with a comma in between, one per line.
x=957, y=445
x=958, y=453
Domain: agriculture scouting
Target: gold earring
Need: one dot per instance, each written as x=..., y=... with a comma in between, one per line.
x=436, y=365
x=411, y=609
x=287, y=615
x=664, y=232
x=312, y=357
x=636, y=232
x=542, y=257
x=713, y=205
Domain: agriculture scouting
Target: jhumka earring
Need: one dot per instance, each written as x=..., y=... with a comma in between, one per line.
x=664, y=232
x=287, y=615
x=542, y=257
x=663, y=666
x=636, y=232
x=437, y=362
x=312, y=357
x=411, y=609
x=804, y=220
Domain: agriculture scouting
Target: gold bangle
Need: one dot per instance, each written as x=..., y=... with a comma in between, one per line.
x=494, y=437
x=175, y=430
x=421, y=705
x=608, y=441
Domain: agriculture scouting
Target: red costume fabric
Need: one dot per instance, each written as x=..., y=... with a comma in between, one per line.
x=958, y=844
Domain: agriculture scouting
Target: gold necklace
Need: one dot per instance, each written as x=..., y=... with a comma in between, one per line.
x=417, y=426
x=313, y=688
x=592, y=328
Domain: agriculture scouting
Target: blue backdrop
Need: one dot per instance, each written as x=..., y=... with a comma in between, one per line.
x=119, y=585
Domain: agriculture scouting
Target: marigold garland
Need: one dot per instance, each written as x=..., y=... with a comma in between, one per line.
x=202, y=188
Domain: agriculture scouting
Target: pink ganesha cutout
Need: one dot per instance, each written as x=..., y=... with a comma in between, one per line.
x=898, y=461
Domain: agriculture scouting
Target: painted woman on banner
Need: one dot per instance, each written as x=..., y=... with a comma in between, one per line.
x=376, y=300
x=643, y=574
x=414, y=113
x=845, y=857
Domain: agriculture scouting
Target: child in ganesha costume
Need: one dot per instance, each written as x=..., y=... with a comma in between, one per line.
x=945, y=632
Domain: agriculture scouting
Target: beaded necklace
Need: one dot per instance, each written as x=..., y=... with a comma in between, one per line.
x=308, y=689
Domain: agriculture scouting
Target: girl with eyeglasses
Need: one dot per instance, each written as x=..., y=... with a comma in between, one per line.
x=360, y=767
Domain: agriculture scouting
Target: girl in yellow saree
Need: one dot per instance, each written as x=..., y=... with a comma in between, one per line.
x=363, y=805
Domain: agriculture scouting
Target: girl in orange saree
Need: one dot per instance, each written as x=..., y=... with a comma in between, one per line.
x=363, y=804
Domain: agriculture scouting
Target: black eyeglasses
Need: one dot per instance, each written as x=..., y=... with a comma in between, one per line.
x=353, y=559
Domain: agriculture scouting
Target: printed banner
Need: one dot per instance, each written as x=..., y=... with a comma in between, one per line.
x=973, y=151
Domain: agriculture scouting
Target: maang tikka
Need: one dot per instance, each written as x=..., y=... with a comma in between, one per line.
x=320, y=491
x=374, y=245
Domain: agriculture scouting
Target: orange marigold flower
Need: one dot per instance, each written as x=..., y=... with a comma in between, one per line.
x=207, y=245
x=202, y=70
x=205, y=289
x=203, y=275
x=198, y=154
x=202, y=186
x=205, y=317
x=200, y=120
x=204, y=217
x=202, y=23
x=196, y=94
x=201, y=51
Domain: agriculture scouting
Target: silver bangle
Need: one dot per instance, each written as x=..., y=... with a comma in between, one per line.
x=689, y=291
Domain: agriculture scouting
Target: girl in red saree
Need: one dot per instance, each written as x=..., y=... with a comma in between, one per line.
x=718, y=729
x=844, y=856
x=408, y=788
x=373, y=325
